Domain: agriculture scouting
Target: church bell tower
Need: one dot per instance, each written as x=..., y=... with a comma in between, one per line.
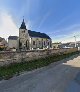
x=23, y=37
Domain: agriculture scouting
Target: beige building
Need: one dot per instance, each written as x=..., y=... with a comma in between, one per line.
x=29, y=40
x=13, y=42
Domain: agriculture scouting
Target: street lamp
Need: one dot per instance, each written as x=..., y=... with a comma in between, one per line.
x=75, y=41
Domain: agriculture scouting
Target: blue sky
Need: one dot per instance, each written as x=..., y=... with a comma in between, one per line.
x=60, y=19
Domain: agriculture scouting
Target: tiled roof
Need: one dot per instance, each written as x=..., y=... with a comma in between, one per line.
x=13, y=37
x=38, y=34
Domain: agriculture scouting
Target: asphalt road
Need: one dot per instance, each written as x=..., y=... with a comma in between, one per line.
x=53, y=78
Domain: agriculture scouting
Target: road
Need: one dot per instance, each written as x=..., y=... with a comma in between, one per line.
x=53, y=78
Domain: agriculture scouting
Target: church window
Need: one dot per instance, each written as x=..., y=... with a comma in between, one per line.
x=39, y=42
x=44, y=42
x=33, y=42
x=48, y=43
x=24, y=31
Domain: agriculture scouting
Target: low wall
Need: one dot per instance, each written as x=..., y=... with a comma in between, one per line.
x=10, y=57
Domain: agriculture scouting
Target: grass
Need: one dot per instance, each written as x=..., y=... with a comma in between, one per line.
x=9, y=71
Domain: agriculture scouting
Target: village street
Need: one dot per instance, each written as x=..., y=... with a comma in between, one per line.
x=53, y=78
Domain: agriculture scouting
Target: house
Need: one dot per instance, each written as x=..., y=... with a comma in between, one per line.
x=3, y=43
x=56, y=45
x=13, y=42
x=73, y=44
x=64, y=45
x=33, y=40
x=70, y=45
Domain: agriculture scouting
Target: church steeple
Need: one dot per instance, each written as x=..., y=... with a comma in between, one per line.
x=23, y=19
x=23, y=26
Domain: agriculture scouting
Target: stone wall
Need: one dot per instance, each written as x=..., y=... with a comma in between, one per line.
x=7, y=58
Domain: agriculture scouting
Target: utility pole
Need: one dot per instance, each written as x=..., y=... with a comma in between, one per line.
x=75, y=42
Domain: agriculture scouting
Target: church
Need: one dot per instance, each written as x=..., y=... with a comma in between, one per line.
x=29, y=40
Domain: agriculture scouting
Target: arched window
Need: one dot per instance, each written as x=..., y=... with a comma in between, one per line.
x=48, y=43
x=44, y=42
x=34, y=43
x=27, y=44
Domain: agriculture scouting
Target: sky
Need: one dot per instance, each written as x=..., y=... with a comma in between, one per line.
x=60, y=19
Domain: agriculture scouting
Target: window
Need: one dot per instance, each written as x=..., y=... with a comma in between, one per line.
x=33, y=42
x=39, y=42
x=44, y=42
x=23, y=31
x=48, y=43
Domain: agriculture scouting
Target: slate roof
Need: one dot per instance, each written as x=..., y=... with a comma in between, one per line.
x=38, y=34
x=23, y=26
x=33, y=33
x=13, y=37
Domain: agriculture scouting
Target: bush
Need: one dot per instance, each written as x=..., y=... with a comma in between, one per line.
x=1, y=49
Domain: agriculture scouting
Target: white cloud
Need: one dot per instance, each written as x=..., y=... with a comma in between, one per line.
x=7, y=26
x=73, y=30
x=44, y=18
